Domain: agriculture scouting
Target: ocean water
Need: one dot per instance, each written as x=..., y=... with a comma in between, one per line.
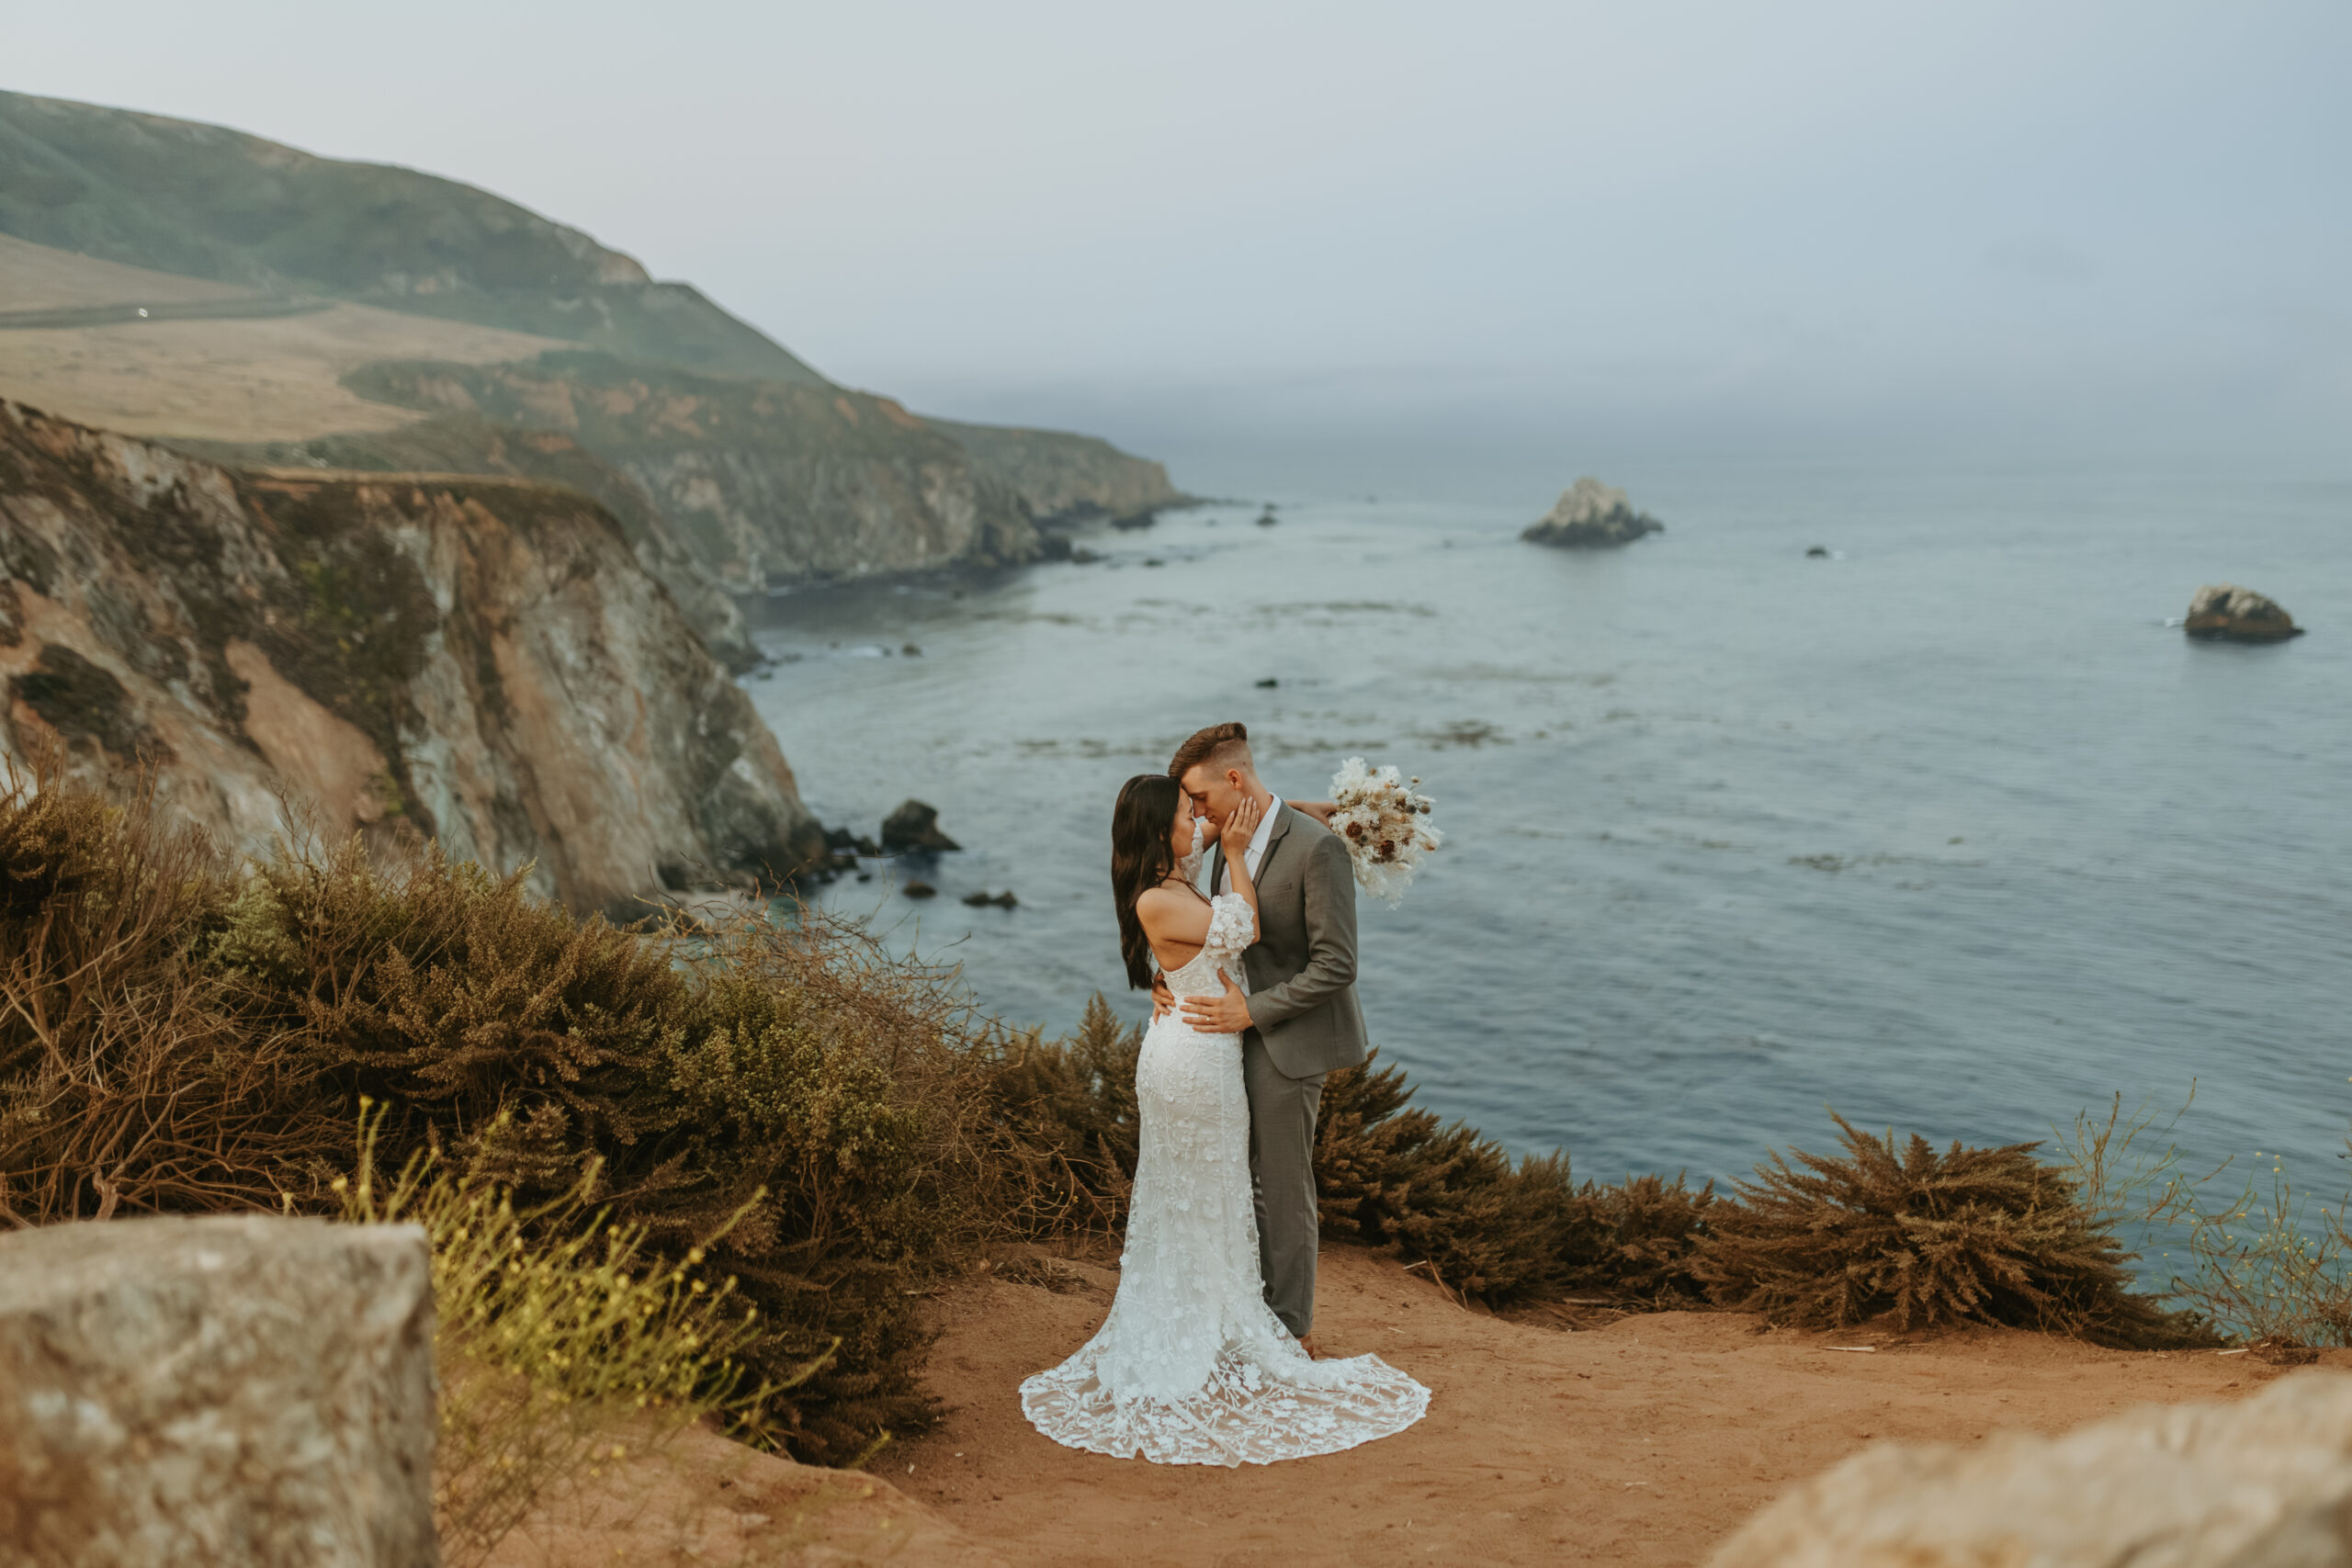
x=1948, y=831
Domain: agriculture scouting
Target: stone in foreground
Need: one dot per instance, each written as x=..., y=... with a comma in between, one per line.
x=2239, y=614
x=229, y=1390
x=2264, y=1484
x=1590, y=513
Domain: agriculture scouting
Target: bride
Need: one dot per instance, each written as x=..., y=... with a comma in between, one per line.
x=1193, y=1367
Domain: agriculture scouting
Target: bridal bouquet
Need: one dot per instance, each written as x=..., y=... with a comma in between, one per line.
x=1385, y=822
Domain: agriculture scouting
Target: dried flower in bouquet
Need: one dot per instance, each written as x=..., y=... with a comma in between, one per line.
x=1385, y=821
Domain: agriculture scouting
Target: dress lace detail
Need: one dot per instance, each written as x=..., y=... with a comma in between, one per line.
x=1193, y=1367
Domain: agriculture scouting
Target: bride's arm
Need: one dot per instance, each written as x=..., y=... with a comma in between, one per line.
x=1321, y=810
x=1239, y=829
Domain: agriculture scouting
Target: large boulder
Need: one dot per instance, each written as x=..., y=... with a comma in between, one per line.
x=2239, y=614
x=233, y=1389
x=2264, y=1484
x=1592, y=513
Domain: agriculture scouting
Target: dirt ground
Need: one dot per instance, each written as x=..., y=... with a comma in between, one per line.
x=1564, y=1441
x=1645, y=1440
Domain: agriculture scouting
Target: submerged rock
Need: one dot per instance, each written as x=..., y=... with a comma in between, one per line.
x=2264, y=1482
x=241, y=1388
x=1592, y=513
x=914, y=826
x=2239, y=614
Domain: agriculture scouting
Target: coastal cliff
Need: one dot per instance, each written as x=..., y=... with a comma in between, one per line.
x=531, y=350
x=478, y=663
x=1064, y=477
x=762, y=482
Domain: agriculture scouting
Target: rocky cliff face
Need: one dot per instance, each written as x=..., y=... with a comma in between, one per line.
x=476, y=661
x=1063, y=475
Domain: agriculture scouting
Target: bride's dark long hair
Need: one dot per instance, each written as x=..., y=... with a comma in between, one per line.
x=1141, y=858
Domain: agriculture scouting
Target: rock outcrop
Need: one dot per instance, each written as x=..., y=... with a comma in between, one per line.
x=914, y=828
x=239, y=1389
x=479, y=663
x=1066, y=478
x=2265, y=1483
x=2238, y=615
x=1592, y=513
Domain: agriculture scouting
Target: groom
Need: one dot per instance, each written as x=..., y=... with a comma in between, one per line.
x=1297, y=1018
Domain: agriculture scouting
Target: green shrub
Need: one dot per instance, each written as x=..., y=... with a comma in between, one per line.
x=559, y=1341
x=1973, y=1234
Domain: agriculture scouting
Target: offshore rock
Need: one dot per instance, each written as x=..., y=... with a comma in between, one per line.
x=914, y=826
x=2264, y=1484
x=2238, y=615
x=482, y=663
x=1592, y=513
x=235, y=1389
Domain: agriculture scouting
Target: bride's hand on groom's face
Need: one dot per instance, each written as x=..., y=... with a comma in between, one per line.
x=1239, y=829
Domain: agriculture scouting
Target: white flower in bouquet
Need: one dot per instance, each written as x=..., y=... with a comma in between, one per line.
x=1385, y=821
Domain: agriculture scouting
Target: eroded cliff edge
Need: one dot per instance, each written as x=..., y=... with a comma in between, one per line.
x=480, y=662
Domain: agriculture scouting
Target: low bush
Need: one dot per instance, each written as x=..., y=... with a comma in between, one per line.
x=1986, y=1235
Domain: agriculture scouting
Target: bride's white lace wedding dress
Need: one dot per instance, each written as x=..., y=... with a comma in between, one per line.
x=1193, y=1367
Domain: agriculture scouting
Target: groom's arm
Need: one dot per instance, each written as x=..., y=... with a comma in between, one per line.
x=1330, y=888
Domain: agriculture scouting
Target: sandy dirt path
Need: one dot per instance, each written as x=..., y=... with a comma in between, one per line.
x=1646, y=1442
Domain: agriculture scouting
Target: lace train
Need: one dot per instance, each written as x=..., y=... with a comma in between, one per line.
x=1193, y=1367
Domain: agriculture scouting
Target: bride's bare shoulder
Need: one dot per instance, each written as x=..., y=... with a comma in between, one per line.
x=1159, y=905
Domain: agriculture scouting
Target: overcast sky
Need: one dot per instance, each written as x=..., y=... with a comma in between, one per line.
x=1378, y=235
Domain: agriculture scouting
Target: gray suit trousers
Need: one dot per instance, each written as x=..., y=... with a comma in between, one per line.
x=1282, y=1169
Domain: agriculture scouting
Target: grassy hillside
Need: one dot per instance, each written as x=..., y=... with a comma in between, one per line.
x=207, y=202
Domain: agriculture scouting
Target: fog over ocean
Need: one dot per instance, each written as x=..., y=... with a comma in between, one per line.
x=1948, y=831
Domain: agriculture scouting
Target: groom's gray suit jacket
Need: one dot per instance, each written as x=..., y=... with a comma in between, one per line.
x=1303, y=966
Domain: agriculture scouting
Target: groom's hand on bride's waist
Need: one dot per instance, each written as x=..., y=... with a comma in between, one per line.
x=1163, y=1001
x=1228, y=1014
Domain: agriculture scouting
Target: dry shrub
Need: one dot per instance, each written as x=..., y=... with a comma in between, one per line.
x=1972, y=1234
x=1390, y=1173
x=127, y=1082
x=1067, y=1116
x=1637, y=1239
x=177, y=1036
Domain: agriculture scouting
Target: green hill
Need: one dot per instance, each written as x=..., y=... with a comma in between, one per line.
x=204, y=201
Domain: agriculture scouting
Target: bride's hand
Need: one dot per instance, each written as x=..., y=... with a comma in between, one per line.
x=1239, y=829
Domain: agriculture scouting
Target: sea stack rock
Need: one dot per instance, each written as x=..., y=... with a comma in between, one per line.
x=1590, y=513
x=247, y=1389
x=914, y=826
x=2238, y=615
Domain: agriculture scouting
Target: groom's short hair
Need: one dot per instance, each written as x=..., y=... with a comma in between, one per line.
x=1219, y=746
